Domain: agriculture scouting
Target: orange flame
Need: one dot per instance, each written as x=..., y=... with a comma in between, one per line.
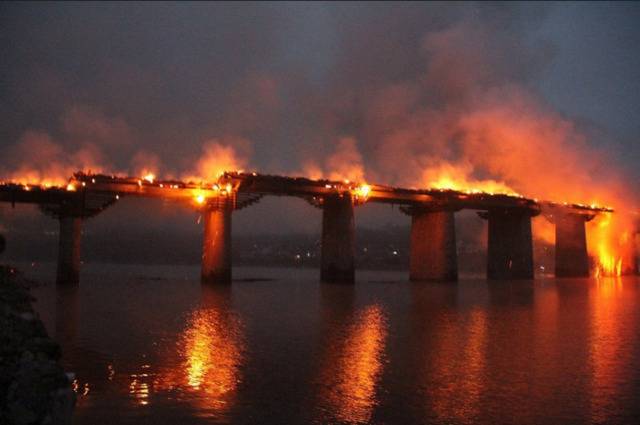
x=150, y=177
x=447, y=176
x=362, y=192
x=608, y=251
x=215, y=160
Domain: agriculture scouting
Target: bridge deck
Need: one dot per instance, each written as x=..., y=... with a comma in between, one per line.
x=245, y=188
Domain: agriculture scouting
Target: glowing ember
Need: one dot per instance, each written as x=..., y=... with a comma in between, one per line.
x=362, y=191
x=150, y=177
x=71, y=187
x=30, y=180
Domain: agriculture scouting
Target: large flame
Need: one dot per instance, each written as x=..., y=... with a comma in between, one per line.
x=611, y=245
x=37, y=160
x=610, y=237
x=216, y=158
x=449, y=176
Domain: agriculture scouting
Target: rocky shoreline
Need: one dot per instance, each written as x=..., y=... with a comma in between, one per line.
x=34, y=388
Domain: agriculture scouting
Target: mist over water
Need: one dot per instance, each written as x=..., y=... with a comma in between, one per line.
x=150, y=344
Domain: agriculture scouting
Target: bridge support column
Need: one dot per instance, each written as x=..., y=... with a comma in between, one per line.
x=68, y=272
x=572, y=259
x=510, y=250
x=216, y=246
x=433, y=247
x=338, y=240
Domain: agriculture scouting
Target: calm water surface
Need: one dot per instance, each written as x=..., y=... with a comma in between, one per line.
x=150, y=345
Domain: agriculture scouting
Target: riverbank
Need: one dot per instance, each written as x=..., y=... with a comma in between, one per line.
x=34, y=388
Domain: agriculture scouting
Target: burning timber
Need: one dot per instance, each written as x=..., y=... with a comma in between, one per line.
x=433, y=252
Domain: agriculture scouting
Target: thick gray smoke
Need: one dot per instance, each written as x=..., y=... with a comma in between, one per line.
x=411, y=94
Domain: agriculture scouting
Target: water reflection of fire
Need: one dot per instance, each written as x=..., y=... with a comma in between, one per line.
x=461, y=369
x=210, y=364
x=355, y=367
x=79, y=389
x=607, y=344
x=139, y=390
x=210, y=357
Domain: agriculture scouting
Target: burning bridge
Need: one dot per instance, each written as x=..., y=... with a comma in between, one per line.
x=433, y=241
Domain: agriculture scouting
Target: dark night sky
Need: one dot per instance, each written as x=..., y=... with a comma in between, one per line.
x=287, y=83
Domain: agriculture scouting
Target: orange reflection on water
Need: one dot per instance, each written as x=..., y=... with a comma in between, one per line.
x=80, y=390
x=606, y=345
x=355, y=367
x=139, y=387
x=461, y=367
x=212, y=360
x=139, y=390
x=210, y=356
x=475, y=359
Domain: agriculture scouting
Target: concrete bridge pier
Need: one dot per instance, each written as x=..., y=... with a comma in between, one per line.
x=216, y=245
x=68, y=272
x=510, y=244
x=337, y=255
x=433, y=254
x=572, y=259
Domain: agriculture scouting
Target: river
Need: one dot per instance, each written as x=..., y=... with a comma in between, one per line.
x=149, y=344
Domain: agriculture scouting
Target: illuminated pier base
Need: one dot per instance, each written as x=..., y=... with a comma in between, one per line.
x=433, y=247
x=216, y=246
x=68, y=272
x=572, y=259
x=510, y=250
x=338, y=240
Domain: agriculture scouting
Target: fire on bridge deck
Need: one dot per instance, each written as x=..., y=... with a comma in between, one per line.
x=433, y=248
x=246, y=188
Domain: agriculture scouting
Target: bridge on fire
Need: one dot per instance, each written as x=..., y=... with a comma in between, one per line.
x=433, y=241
